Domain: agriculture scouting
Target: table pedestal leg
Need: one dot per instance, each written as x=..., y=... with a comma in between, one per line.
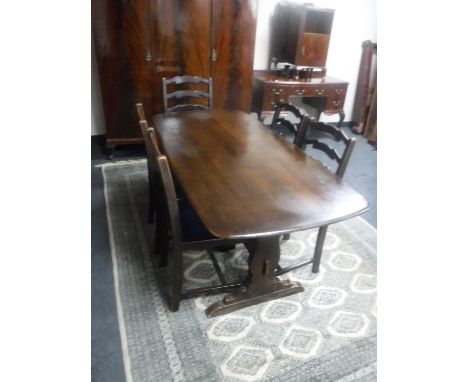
x=262, y=285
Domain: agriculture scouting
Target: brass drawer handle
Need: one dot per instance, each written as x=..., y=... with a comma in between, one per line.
x=339, y=91
x=276, y=91
x=319, y=91
x=336, y=103
x=300, y=91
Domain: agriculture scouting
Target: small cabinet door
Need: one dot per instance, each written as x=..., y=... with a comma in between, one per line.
x=313, y=49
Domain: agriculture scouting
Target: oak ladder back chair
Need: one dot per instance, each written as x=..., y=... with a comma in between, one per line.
x=301, y=141
x=280, y=123
x=187, y=233
x=185, y=88
x=304, y=121
x=162, y=233
x=342, y=159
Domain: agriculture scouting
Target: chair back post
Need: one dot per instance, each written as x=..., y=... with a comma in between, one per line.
x=144, y=132
x=345, y=158
x=140, y=111
x=143, y=127
x=164, y=85
x=276, y=114
x=210, y=92
x=171, y=201
x=152, y=150
x=299, y=139
x=153, y=142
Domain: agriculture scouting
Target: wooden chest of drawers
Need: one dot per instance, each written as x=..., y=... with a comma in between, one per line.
x=268, y=89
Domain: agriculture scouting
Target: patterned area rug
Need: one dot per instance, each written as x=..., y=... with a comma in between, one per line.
x=327, y=333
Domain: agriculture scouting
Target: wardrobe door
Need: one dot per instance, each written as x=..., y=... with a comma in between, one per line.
x=233, y=46
x=181, y=41
x=122, y=40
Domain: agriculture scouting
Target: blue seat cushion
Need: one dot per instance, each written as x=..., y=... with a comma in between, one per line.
x=192, y=227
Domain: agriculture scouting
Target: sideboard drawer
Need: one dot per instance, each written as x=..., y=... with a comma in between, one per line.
x=337, y=98
x=267, y=94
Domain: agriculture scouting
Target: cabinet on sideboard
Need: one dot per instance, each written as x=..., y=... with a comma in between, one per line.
x=300, y=34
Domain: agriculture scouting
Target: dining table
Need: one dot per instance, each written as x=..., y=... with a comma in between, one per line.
x=246, y=182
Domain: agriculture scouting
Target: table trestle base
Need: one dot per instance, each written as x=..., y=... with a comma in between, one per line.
x=262, y=284
x=245, y=297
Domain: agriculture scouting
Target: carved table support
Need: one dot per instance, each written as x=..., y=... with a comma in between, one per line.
x=262, y=285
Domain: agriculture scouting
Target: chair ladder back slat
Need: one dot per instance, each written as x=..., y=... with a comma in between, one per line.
x=187, y=93
x=187, y=107
x=292, y=109
x=284, y=107
x=186, y=79
x=282, y=122
x=319, y=145
x=336, y=132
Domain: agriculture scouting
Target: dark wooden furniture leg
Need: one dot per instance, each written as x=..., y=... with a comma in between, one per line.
x=110, y=151
x=151, y=206
x=342, y=117
x=318, y=248
x=161, y=246
x=261, y=285
x=177, y=280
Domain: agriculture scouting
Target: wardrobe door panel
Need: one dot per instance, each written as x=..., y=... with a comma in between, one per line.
x=181, y=41
x=233, y=41
x=122, y=39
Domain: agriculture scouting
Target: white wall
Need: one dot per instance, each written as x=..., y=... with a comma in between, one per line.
x=355, y=21
x=97, y=115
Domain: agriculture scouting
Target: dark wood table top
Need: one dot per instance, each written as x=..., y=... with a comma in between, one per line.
x=246, y=181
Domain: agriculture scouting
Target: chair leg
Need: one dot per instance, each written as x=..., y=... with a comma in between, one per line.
x=177, y=280
x=151, y=212
x=151, y=209
x=318, y=248
x=162, y=240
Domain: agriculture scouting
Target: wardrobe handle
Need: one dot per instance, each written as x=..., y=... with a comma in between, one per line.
x=149, y=57
x=213, y=55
